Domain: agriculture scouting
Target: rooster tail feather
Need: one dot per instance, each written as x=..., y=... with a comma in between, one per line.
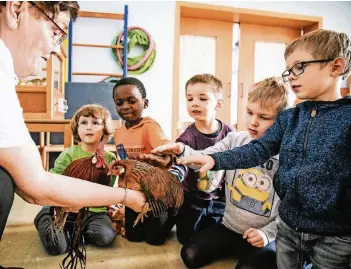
x=60, y=217
x=75, y=255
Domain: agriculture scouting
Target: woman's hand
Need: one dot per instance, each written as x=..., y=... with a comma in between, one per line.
x=204, y=163
x=135, y=200
x=169, y=148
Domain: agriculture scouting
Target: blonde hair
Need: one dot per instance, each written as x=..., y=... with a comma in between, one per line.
x=96, y=111
x=323, y=45
x=208, y=79
x=271, y=92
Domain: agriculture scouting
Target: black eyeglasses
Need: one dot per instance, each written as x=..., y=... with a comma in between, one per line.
x=58, y=37
x=299, y=68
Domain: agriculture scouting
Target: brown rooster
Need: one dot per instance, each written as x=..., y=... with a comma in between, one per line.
x=161, y=188
x=91, y=169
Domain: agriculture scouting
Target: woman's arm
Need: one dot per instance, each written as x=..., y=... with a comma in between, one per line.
x=38, y=186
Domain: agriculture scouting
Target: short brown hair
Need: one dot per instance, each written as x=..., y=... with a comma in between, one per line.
x=53, y=8
x=271, y=92
x=95, y=111
x=208, y=79
x=322, y=45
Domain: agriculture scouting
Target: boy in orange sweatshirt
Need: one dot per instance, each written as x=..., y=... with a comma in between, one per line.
x=139, y=135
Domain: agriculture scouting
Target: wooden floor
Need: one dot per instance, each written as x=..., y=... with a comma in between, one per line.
x=20, y=247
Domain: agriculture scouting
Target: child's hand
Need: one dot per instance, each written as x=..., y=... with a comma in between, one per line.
x=205, y=162
x=254, y=237
x=116, y=212
x=161, y=161
x=170, y=148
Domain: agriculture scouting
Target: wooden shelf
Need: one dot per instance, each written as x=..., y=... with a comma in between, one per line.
x=97, y=46
x=102, y=15
x=54, y=148
x=30, y=88
x=97, y=74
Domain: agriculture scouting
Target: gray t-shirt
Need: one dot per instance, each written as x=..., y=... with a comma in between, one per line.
x=251, y=201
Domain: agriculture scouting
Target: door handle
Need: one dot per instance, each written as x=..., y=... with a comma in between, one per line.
x=241, y=90
x=230, y=89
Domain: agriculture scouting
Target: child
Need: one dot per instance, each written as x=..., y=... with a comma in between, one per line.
x=202, y=207
x=139, y=135
x=249, y=228
x=90, y=125
x=313, y=179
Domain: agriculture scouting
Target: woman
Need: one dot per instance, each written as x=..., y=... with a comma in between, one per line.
x=29, y=33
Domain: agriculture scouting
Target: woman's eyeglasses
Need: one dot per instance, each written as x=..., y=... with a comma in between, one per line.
x=58, y=37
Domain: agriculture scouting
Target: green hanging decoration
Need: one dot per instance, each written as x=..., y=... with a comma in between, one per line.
x=136, y=36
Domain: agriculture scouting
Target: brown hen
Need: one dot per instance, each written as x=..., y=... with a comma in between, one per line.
x=161, y=188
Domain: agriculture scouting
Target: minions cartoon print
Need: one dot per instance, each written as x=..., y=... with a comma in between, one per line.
x=252, y=190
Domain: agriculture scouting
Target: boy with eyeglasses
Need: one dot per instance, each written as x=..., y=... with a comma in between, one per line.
x=313, y=140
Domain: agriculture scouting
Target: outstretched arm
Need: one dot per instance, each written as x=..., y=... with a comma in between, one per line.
x=36, y=185
x=255, y=153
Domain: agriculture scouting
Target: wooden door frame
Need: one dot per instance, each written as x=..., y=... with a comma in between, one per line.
x=230, y=14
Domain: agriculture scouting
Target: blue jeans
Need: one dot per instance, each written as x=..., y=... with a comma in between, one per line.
x=96, y=228
x=324, y=252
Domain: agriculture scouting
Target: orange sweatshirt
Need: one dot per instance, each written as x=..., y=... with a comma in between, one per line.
x=141, y=138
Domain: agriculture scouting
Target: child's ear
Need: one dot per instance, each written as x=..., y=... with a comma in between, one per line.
x=146, y=103
x=219, y=104
x=338, y=67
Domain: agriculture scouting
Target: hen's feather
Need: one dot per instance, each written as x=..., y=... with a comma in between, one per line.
x=84, y=169
x=161, y=188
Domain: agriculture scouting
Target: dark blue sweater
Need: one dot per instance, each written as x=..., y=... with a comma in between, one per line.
x=314, y=176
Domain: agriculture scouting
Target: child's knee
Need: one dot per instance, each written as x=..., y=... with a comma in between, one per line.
x=55, y=249
x=155, y=240
x=101, y=237
x=135, y=234
x=134, y=237
x=189, y=257
x=43, y=218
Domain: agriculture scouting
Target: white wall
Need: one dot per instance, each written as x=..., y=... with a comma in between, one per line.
x=158, y=19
